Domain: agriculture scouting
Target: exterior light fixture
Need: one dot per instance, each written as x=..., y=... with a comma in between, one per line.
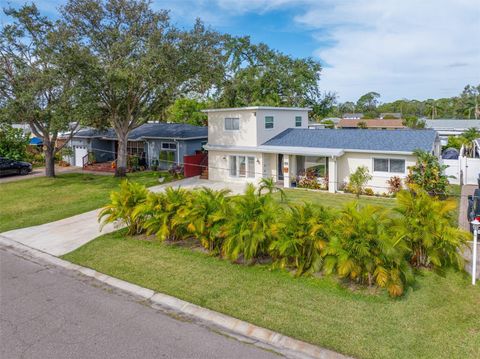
x=476, y=225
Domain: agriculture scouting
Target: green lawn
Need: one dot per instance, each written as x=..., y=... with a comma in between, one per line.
x=440, y=318
x=339, y=199
x=333, y=200
x=41, y=200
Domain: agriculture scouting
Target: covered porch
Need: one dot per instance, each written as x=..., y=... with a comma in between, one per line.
x=302, y=166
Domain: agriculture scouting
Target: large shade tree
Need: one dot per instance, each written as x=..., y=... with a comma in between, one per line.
x=259, y=75
x=40, y=81
x=140, y=61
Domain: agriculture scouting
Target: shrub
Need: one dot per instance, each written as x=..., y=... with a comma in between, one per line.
x=206, y=215
x=394, y=185
x=301, y=238
x=427, y=174
x=425, y=225
x=251, y=227
x=369, y=192
x=13, y=143
x=363, y=249
x=358, y=179
x=122, y=206
x=161, y=214
x=310, y=180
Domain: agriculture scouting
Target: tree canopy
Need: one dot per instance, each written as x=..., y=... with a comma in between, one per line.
x=40, y=79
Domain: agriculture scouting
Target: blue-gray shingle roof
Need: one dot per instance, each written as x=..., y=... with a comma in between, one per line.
x=404, y=140
x=151, y=130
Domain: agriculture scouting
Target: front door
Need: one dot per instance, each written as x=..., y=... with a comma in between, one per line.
x=80, y=152
x=280, y=167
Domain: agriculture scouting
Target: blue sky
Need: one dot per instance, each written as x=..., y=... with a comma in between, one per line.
x=399, y=48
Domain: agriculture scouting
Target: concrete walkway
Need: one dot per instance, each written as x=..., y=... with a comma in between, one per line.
x=467, y=190
x=196, y=182
x=63, y=236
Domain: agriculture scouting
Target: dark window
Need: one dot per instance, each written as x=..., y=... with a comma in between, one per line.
x=268, y=121
x=298, y=121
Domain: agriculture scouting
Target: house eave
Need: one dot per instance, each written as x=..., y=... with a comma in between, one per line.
x=303, y=151
x=255, y=108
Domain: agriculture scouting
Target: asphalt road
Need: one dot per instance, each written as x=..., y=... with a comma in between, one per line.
x=49, y=312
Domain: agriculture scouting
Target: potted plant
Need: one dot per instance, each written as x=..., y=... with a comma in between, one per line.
x=293, y=181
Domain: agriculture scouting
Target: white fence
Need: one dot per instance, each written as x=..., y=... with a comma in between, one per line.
x=471, y=169
x=464, y=170
x=453, y=170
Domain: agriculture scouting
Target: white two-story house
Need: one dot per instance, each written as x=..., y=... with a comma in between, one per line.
x=249, y=143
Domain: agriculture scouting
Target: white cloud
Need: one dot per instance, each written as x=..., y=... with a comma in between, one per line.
x=399, y=48
x=408, y=48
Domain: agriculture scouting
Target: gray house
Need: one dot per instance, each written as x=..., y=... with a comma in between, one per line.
x=164, y=144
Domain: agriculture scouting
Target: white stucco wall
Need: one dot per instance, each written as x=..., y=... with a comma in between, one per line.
x=282, y=120
x=252, y=130
x=219, y=166
x=350, y=161
x=245, y=136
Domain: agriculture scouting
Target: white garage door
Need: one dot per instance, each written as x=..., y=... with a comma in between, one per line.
x=80, y=152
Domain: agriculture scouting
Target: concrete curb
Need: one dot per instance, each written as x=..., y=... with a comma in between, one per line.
x=277, y=341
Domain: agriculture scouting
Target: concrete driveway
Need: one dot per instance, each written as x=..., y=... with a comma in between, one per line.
x=63, y=236
x=39, y=172
x=196, y=182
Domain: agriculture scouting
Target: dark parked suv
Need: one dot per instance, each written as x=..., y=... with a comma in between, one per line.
x=12, y=167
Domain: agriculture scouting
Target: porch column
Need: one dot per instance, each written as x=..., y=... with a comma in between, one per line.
x=332, y=175
x=286, y=171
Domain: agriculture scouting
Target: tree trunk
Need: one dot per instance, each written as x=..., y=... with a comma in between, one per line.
x=121, y=169
x=49, y=161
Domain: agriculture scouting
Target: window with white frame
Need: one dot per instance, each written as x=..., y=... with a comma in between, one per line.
x=268, y=122
x=389, y=165
x=242, y=166
x=298, y=121
x=232, y=124
x=169, y=146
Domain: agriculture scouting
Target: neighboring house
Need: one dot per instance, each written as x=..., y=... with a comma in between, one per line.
x=390, y=115
x=451, y=127
x=372, y=124
x=250, y=143
x=166, y=143
x=352, y=116
x=321, y=124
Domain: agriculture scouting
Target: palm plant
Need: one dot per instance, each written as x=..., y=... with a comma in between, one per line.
x=122, y=206
x=425, y=224
x=251, y=227
x=160, y=213
x=205, y=216
x=467, y=139
x=269, y=185
x=301, y=239
x=363, y=249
